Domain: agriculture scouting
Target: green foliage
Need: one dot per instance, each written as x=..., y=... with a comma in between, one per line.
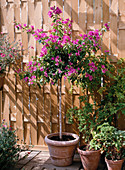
x=113, y=103
x=110, y=140
x=9, y=150
x=86, y=120
x=90, y=116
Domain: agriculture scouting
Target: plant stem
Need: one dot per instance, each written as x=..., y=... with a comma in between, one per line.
x=60, y=114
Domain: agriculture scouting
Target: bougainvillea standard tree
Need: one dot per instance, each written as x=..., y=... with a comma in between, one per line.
x=60, y=55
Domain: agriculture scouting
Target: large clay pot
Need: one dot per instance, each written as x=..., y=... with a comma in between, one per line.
x=2, y=77
x=90, y=159
x=114, y=165
x=62, y=152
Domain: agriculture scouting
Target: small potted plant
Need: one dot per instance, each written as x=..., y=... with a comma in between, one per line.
x=89, y=154
x=9, y=52
x=112, y=142
x=60, y=57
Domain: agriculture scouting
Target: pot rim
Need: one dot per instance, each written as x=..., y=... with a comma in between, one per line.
x=88, y=151
x=113, y=161
x=62, y=143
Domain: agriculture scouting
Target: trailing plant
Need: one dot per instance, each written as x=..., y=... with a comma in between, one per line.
x=9, y=52
x=110, y=140
x=61, y=56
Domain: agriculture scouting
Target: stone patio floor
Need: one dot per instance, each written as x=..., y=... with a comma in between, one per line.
x=40, y=160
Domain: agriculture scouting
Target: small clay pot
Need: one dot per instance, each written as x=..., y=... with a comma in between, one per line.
x=62, y=152
x=90, y=159
x=2, y=77
x=114, y=165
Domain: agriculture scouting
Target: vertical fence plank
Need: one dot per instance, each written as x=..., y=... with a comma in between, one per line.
x=105, y=43
x=63, y=105
x=24, y=20
x=47, y=109
x=82, y=16
x=76, y=93
x=33, y=119
x=90, y=15
x=113, y=29
x=19, y=117
x=3, y=16
x=12, y=95
x=18, y=125
x=51, y=4
x=10, y=20
x=31, y=21
x=26, y=113
x=25, y=87
x=97, y=25
x=59, y=3
x=41, y=133
x=17, y=18
x=11, y=75
x=121, y=42
x=5, y=103
x=68, y=104
x=45, y=10
x=67, y=9
x=19, y=109
x=74, y=15
x=33, y=111
x=54, y=108
x=38, y=22
x=98, y=14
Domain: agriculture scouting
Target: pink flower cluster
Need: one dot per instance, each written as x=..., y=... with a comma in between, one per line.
x=90, y=76
x=55, y=10
x=107, y=26
x=31, y=80
x=92, y=66
x=103, y=69
x=3, y=55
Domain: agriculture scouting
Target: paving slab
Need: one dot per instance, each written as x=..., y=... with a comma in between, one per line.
x=40, y=160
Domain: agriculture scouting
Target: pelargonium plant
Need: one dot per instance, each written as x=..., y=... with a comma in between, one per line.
x=9, y=52
x=60, y=55
x=110, y=140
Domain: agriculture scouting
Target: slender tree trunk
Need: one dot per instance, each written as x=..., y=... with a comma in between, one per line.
x=60, y=114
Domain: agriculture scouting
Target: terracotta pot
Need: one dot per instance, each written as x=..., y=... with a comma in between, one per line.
x=2, y=77
x=89, y=159
x=114, y=165
x=62, y=152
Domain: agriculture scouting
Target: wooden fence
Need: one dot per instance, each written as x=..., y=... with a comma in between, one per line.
x=33, y=111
